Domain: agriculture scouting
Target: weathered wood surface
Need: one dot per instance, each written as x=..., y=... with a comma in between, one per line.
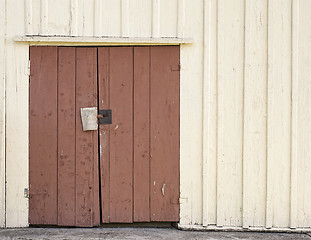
x=64, y=184
x=66, y=149
x=121, y=134
x=164, y=134
x=141, y=137
x=43, y=136
x=87, y=182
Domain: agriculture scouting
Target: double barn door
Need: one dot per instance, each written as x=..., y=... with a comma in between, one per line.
x=126, y=171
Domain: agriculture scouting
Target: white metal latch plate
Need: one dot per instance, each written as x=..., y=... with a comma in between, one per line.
x=89, y=119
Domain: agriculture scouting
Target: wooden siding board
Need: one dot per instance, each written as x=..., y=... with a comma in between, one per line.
x=66, y=136
x=125, y=18
x=121, y=134
x=59, y=25
x=255, y=112
x=104, y=132
x=111, y=25
x=44, y=17
x=294, y=116
x=85, y=18
x=43, y=136
x=2, y=112
x=279, y=113
x=168, y=18
x=86, y=142
x=164, y=134
x=140, y=14
x=35, y=17
x=209, y=115
x=191, y=95
x=303, y=114
x=230, y=112
x=141, y=134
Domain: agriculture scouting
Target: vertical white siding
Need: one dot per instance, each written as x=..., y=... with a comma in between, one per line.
x=303, y=114
x=279, y=113
x=294, y=123
x=191, y=117
x=169, y=16
x=209, y=139
x=255, y=112
x=2, y=112
x=263, y=123
x=111, y=14
x=140, y=22
x=230, y=74
x=244, y=109
x=16, y=118
x=58, y=25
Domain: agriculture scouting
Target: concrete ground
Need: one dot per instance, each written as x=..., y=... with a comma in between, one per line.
x=137, y=233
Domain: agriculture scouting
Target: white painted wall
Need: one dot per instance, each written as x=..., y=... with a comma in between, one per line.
x=245, y=101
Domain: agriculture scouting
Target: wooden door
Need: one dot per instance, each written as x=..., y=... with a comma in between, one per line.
x=136, y=157
x=63, y=166
x=140, y=149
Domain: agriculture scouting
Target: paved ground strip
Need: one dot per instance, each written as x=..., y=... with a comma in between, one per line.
x=138, y=233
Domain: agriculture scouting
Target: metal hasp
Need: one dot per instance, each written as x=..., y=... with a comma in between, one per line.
x=105, y=116
x=89, y=119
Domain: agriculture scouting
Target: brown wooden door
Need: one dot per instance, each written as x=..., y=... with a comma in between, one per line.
x=136, y=157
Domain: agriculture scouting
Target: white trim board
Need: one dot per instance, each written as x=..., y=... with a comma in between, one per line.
x=99, y=41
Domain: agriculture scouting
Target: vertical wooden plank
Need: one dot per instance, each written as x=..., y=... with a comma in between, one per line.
x=28, y=17
x=191, y=117
x=164, y=134
x=36, y=17
x=98, y=18
x=156, y=18
x=66, y=136
x=121, y=134
x=44, y=11
x=168, y=18
x=43, y=136
x=295, y=116
x=209, y=114
x=269, y=190
x=2, y=111
x=59, y=18
x=104, y=132
x=255, y=112
x=141, y=134
x=17, y=130
x=125, y=18
x=302, y=87
x=140, y=15
x=111, y=18
x=85, y=11
x=279, y=113
x=87, y=184
x=74, y=17
x=181, y=18
x=230, y=112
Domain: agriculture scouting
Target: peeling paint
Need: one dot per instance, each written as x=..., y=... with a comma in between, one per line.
x=163, y=189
